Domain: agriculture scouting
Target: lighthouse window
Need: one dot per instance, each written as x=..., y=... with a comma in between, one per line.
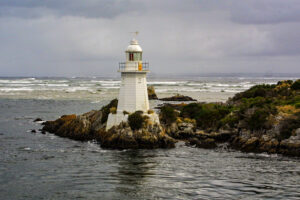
x=137, y=56
x=130, y=56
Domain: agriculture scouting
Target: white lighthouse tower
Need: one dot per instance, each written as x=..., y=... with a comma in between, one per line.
x=133, y=94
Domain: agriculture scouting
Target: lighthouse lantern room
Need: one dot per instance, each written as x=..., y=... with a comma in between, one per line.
x=133, y=94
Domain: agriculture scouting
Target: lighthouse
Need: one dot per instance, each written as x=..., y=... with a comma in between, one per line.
x=133, y=94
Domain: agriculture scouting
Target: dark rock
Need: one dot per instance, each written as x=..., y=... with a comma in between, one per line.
x=208, y=143
x=175, y=106
x=268, y=144
x=37, y=120
x=222, y=135
x=178, y=97
x=251, y=145
x=290, y=146
x=33, y=131
x=151, y=93
x=181, y=130
x=42, y=131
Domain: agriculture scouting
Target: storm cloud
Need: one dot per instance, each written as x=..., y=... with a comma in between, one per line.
x=88, y=38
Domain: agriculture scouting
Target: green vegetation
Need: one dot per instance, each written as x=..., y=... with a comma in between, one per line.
x=296, y=85
x=113, y=110
x=150, y=112
x=206, y=115
x=168, y=114
x=231, y=120
x=256, y=91
x=106, y=110
x=253, y=109
x=136, y=120
x=288, y=126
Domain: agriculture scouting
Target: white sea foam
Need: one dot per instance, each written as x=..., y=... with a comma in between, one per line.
x=15, y=89
x=56, y=88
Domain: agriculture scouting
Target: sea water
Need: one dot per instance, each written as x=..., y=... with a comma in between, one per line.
x=44, y=166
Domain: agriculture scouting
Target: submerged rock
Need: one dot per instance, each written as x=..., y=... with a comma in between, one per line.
x=37, y=120
x=178, y=97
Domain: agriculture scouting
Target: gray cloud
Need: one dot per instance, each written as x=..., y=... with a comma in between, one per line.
x=86, y=8
x=265, y=11
x=72, y=38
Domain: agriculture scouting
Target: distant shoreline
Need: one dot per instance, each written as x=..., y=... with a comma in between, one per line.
x=177, y=75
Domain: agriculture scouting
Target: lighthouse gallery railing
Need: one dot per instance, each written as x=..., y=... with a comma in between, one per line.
x=134, y=66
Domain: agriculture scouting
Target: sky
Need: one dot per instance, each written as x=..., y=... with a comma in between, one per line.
x=88, y=38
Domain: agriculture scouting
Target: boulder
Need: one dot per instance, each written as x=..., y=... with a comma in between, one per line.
x=181, y=130
x=250, y=145
x=37, y=120
x=290, y=146
x=208, y=143
x=151, y=93
x=222, y=135
x=268, y=144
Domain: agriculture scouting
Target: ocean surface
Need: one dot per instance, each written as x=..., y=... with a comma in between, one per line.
x=44, y=166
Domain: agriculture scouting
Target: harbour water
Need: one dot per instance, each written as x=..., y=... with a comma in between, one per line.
x=44, y=166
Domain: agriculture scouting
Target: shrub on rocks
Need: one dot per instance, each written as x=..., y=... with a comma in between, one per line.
x=106, y=110
x=231, y=120
x=296, y=85
x=150, y=112
x=136, y=120
x=256, y=91
x=206, y=115
x=125, y=112
x=168, y=114
x=288, y=125
x=113, y=110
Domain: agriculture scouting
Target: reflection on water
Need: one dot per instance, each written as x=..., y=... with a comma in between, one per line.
x=134, y=169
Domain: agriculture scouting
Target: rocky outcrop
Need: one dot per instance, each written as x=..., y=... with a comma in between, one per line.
x=178, y=97
x=151, y=93
x=82, y=127
x=90, y=126
x=256, y=141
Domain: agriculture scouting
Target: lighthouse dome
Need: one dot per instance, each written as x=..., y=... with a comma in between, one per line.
x=134, y=46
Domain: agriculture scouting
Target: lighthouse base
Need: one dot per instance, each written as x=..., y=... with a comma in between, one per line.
x=116, y=119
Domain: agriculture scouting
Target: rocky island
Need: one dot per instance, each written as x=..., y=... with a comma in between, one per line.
x=264, y=118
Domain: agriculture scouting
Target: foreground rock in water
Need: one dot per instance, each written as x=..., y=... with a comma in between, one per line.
x=178, y=97
x=91, y=126
x=82, y=127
